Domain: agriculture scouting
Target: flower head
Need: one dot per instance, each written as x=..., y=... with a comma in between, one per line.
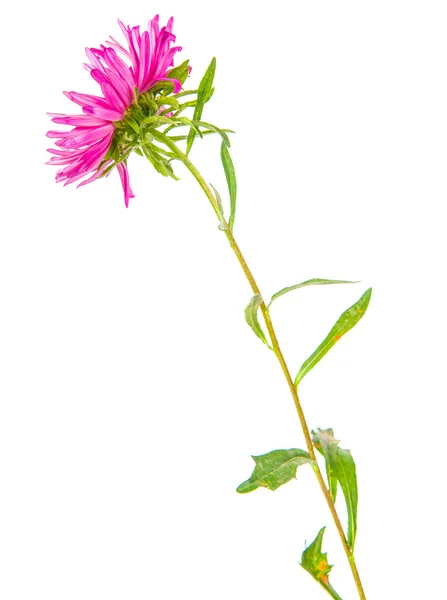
x=107, y=131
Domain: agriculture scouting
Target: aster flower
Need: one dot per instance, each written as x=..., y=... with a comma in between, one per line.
x=132, y=78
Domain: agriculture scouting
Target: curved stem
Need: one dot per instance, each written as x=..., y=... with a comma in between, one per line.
x=277, y=349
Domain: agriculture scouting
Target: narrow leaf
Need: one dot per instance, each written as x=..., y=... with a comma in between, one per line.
x=340, y=468
x=221, y=132
x=316, y=281
x=326, y=444
x=315, y=562
x=347, y=477
x=274, y=469
x=346, y=321
x=251, y=316
x=179, y=138
x=185, y=121
x=156, y=120
x=231, y=181
x=222, y=224
x=203, y=94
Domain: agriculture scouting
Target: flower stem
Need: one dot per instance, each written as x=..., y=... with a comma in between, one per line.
x=279, y=355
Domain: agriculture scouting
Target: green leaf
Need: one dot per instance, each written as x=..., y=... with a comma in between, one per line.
x=222, y=224
x=315, y=562
x=185, y=121
x=274, y=469
x=326, y=444
x=317, y=281
x=179, y=138
x=340, y=467
x=347, y=477
x=251, y=316
x=231, y=181
x=160, y=164
x=221, y=132
x=203, y=94
x=346, y=321
x=156, y=120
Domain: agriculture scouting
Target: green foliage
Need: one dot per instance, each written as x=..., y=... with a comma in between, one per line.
x=170, y=101
x=274, y=469
x=231, y=181
x=347, y=477
x=222, y=224
x=204, y=93
x=211, y=127
x=160, y=163
x=251, y=316
x=346, y=321
x=316, y=281
x=324, y=442
x=340, y=467
x=315, y=562
x=180, y=72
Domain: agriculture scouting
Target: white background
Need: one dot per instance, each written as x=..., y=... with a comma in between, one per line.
x=132, y=391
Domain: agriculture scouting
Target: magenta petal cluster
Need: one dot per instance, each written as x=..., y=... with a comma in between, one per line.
x=119, y=69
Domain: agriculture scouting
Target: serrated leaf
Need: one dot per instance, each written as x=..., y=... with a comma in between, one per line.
x=315, y=281
x=345, y=322
x=203, y=94
x=340, y=467
x=274, y=469
x=325, y=442
x=231, y=181
x=315, y=562
x=251, y=316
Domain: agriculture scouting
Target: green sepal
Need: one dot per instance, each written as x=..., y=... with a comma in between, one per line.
x=315, y=563
x=345, y=322
x=251, y=316
x=315, y=281
x=180, y=72
x=274, y=469
x=340, y=467
x=167, y=100
x=132, y=123
x=230, y=176
x=203, y=95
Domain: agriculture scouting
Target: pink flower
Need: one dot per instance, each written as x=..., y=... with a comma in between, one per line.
x=123, y=73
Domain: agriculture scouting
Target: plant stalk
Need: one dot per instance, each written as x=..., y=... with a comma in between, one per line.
x=279, y=355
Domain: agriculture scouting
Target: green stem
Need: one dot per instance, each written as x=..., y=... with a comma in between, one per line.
x=279, y=355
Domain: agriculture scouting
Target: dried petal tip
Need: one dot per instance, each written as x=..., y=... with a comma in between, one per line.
x=95, y=144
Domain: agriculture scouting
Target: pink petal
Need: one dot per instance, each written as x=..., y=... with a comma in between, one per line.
x=124, y=176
